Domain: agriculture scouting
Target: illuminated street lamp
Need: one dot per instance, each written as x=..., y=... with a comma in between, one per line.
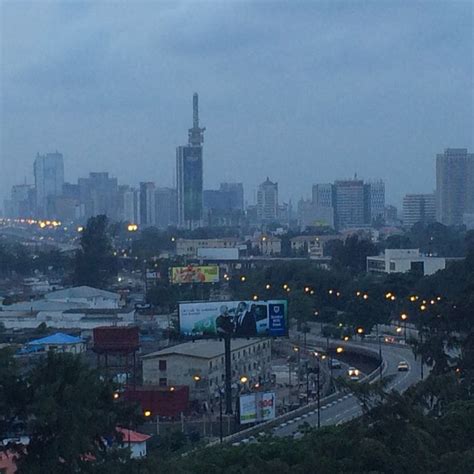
x=285, y=286
x=360, y=330
x=339, y=350
x=172, y=389
x=307, y=289
x=244, y=379
x=346, y=338
x=116, y=395
x=268, y=286
x=422, y=307
x=196, y=378
x=255, y=297
x=366, y=296
x=242, y=278
x=147, y=413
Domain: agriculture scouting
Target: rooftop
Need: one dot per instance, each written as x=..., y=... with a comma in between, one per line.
x=203, y=349
x=81, y=292
x=58, y=338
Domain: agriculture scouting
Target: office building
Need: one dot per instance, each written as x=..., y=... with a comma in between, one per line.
x=267, y=201
x=323, y=195
x=189, y=175
x=129, y=204
x=147, y=204
x=22, y=201
x=419, y=208
x=166, y=207
x=351, y=204
x=454, y=185
x=377, y=201
x=49, y=180
x=99, y=194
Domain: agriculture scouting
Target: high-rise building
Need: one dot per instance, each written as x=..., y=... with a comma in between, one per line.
x=267, y=201
x=419, y=208
x=189, y=175
x=147, y=204
x=350, y=204
x=323, y=195
x=377, y=200
x=454, y=185
x=166, y=207
x=49, y=179
x=99, y=195
x=21, y=203
x=234, y=195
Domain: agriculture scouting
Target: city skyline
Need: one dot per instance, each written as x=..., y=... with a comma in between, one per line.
x=114, y=102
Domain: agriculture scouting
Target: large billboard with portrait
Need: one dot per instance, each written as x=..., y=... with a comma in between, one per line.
x=234, y=318
x=194, y=274
x=257, y=407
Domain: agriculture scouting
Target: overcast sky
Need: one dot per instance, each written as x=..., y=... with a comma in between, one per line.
x=302, y=92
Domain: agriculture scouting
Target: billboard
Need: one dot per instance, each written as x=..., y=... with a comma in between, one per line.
x=237, y=318
x=195, y=274
x=257, y=407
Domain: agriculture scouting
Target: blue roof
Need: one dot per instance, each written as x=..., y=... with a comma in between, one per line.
x=58, y=338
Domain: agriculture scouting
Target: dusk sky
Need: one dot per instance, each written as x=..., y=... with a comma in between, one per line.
x=301, y=92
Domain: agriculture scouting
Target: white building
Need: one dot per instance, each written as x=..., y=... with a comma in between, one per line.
x=267, y=201
x=135, y=441
x=200, y=365
x=190, y=247
x=403, y=261
x=86, y=295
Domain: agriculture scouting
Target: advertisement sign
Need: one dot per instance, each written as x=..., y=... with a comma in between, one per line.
x=235, y=318
x=257, y=407
x=195, y=274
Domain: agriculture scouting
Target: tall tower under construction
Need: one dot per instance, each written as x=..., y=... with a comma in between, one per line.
x=189, y=174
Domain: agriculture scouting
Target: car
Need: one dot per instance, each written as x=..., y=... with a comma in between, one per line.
x=403, y=366
x=353, y=373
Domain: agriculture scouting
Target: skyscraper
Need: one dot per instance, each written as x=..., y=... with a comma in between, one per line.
x=267, y=201
x=147, y=204
x=419, y=208
x=350, y=203
x=49, y=179
x=166, y=207
x=189, y=174
x=454, y=185
x=377, y=200
x=99, y=194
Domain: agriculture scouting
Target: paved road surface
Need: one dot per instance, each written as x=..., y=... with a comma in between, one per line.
x=347, y=406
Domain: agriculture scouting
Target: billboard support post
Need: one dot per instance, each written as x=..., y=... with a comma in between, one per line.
x=228, y=375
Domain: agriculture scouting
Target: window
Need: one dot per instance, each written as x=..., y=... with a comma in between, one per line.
x=223, y=376
x=250, y=367
x=210, y=364
x=245, y=352
x=222, y=360
x=210, y=382
x=264, y=345
x=233, y=356
x=162, y=365
x=163, y=382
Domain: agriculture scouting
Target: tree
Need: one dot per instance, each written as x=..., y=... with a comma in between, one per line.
x=95, y=263
x=69, y=414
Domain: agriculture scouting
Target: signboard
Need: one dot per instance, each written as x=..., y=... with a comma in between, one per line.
x=257, y=407
x=194, y=274
x=235, y=318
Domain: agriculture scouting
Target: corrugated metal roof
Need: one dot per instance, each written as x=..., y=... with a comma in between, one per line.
x=58, y=338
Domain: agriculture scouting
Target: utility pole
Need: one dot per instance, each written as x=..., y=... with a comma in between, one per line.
x=318, y=387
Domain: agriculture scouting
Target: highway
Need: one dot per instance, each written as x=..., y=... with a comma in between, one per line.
x=347, y=406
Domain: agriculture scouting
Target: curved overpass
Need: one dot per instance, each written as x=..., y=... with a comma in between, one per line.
x=346, y=406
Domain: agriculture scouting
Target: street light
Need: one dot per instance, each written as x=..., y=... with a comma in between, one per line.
x=147, y=413
x=244, y=379
x=339, y=350
x=268, y=286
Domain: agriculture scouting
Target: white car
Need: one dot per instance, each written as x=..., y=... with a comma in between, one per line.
x=353, y=373
x=403, y=366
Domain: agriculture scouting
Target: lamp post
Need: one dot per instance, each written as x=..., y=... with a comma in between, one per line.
x=380, y=349
x=318, y=389
x=404, y=318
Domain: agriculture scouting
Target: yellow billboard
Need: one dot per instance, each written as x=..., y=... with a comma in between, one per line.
x=195, y=274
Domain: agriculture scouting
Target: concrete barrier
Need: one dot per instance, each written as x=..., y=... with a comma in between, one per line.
x=268, y=425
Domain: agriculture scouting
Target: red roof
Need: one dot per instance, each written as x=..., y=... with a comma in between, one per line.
x=130, y=436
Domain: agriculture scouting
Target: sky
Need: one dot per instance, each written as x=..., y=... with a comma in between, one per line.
x=300, y=91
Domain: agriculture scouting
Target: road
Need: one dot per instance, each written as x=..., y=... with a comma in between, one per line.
x=347, y=407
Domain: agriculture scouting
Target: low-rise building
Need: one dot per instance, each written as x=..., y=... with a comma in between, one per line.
x=311, y=245
x=58, y=342
x=91, y=297
x=200, y=365
x=403, y=261
x=267, y=245
x=190, y=247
